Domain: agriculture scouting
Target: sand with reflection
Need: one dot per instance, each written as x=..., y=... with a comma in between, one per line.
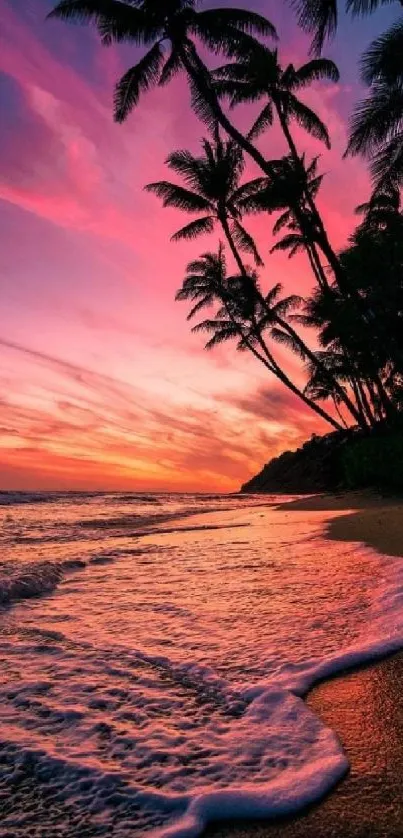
x=365, y=707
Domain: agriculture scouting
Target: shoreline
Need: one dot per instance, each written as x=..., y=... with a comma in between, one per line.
x=364, y=706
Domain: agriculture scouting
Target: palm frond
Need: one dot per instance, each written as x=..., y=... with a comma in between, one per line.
x=288, y=341
x=283, y=221
x=375, y=119
x=203, y=303
x=365, y=7
x=307, y=119
x=387, y=163
x=137, y=80
x=319, y=18
x=200, y=227
x=171, y=67
x=383, y=58
x=201, y=105
x=242, y=19
x=176, y=196
x=293, y=242
x=315, y=70
x=245, y=241
x=115, y=20
x=273, y=294
x=263, y=121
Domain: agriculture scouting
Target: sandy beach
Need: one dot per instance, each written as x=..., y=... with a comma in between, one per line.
x=364, y=707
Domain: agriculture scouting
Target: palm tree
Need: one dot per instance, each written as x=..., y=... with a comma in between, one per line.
x=320, y=387
x=213, y=190
x=320, y=17
x=342, y=359
x=239, y=315
x=257, y=75
x=377, y=123
x=285, y=193
x=167, y=29
x=374, y=261
x=212, y=186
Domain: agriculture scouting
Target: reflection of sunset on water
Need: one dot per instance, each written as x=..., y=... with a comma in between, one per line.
x=165, y=662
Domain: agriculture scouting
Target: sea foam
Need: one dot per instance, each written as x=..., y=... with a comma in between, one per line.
x=173, y=698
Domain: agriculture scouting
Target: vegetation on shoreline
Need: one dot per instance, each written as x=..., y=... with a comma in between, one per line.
x=353, y=365
x=339, y=461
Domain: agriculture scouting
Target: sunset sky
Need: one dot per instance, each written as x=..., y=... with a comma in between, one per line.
x=101, y=383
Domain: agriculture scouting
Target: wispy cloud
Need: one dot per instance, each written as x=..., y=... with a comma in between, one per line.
x=101, y=382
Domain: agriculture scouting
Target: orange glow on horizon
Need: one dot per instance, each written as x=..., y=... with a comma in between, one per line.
x=102, y=385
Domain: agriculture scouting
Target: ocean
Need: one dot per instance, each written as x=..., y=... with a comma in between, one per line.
x=155, y=651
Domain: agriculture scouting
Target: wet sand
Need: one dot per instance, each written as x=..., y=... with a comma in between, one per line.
x=364, y=707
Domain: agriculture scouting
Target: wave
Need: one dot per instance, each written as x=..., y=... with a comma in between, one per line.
x=18, y=498
x=252, y=752
x=25, y=580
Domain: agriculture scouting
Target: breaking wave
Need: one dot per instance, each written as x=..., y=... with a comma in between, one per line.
x=173, y=696
x=23, y=581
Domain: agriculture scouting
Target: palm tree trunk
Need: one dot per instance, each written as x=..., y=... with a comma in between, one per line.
x=339, y=413
x=317, y=267
x=387, y=404
x=275, y=368
x=304, y=348
x=199, y=75
x=365, y=403
x=324, y=242
x=316, y=361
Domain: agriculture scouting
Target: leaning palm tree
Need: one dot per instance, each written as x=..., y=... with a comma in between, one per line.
x=168, y=29
x=239, y=315
x=213, y=191
x=212, y=186
x=257, y=75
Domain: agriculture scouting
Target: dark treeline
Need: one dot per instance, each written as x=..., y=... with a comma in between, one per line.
x=348, y=331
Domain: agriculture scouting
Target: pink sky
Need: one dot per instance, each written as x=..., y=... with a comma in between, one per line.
x=101, y=384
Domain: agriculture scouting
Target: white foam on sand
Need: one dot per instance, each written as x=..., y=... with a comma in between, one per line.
x=162, y=745
x=279, y=725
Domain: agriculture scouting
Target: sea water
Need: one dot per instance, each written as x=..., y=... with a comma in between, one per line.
x=155, y=651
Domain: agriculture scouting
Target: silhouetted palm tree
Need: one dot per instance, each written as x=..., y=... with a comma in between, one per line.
x=334, y=320
x=377, y=123
x=212, y=186
x=212, y=190
x=285, y=192
x=173, y=26
x=168, y=30
x=257, y=75
x=239, y=316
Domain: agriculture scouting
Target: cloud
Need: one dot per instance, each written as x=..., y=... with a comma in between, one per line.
x=88, y=274
x=111, y=424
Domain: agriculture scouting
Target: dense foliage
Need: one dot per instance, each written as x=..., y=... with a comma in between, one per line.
x=352, y=358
